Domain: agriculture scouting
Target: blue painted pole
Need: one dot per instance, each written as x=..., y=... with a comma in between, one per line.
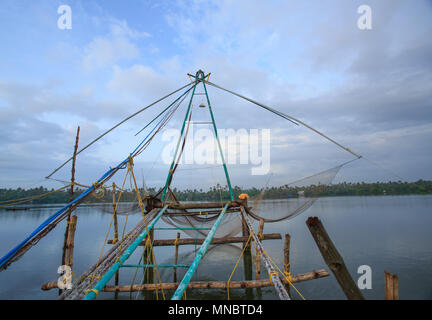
x=12, y=252
x=178, y=294
x=111, y=272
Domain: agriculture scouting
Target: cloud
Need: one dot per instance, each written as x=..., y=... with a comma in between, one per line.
x=104, y=51
x=369, y=90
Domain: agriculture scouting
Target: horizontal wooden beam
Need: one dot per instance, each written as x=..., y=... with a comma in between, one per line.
x=197, y=213
x=217, y=284
x=191, y=241
x=199, y=205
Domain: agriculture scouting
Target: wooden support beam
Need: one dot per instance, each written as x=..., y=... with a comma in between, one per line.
x=70, y=241
x=176, y=256
x=68, y=223
x=333, y=259
x=191, y=241
x=114, y=205
x=258, y=254
x=198, y=213
x=287, y=258
x=216, y=284
x=196, y=205
x=391, y=286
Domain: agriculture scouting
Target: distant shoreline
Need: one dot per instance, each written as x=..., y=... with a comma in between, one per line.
x=218, y=193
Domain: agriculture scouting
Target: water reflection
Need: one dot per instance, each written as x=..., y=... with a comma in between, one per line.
x=387, y=233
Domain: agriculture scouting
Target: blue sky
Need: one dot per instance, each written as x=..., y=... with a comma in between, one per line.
x=368, y=89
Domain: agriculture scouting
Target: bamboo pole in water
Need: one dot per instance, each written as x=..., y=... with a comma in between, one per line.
x=68, y=221
x=287, y=258
x=258, y=253
x=178, y=294
x=333, y=259
x=176, y=256
x=217, y=284
x=107, y=276
x=391, y=286
x=191, y=241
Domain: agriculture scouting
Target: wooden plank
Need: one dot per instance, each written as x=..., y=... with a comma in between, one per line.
x=216, y=284
x=191, y=241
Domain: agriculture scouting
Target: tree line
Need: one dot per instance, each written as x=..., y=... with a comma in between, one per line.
x=221, y=193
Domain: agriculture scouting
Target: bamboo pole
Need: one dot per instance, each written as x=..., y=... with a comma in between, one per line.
x=176, y=256
x=108, y=275
x=333, y=259
x=178, y=294
x=191, y=241
x=86, y=280
x=287, y=258
x=199, y=213
x=115, y=239
x=68, y=221
x=217, y=284
x=70, y=241
x=201, y=205
x=273, y=274
x=391, y=286
x=258, y=253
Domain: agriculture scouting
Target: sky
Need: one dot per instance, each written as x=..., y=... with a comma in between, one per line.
x=370, y=90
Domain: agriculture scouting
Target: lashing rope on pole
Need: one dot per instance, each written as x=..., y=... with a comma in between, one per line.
x=237, y=263
x=280, y=288
x=131, y=163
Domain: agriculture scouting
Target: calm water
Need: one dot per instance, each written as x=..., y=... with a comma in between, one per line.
x=386, y=233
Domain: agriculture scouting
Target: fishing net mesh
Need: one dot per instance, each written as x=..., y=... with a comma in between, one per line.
x=301, y=195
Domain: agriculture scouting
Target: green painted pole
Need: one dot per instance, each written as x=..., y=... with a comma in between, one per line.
x=178, y=144
x=178, y=294
x=112, y=271
x=217, y=138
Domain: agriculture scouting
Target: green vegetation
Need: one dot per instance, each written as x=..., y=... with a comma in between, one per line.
x=218, y=192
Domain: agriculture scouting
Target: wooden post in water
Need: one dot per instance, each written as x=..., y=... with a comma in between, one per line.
x=216, y=284
x=258, y=255
x=70, y=241
x=333, y=259
x=176, y=256
x=115, y=239
x=391, y=286
x=287, y=259
x=69, y=237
